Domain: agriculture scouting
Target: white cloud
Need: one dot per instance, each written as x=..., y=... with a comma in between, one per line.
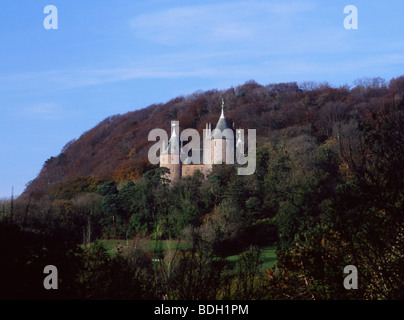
x=43, y=111
x=227, y=64
x=252, y=29
x=234, y=39
x=217, y=23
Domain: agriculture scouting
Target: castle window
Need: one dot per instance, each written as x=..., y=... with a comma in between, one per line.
x=188, y=169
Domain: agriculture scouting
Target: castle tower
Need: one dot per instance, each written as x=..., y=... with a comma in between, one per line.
x=207, y=148
x=239, y=144
x=170, y=155
x=222, y=143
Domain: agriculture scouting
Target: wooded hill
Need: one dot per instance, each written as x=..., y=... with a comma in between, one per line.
x=328, y=192
x=116, y=149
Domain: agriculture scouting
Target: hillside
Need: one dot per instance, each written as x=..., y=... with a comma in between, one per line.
x=328, y=192
x=116, y=149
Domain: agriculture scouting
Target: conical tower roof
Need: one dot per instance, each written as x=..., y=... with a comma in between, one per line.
x=221, y=125
x=173, y=145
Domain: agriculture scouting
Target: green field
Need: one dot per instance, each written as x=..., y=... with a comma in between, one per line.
x=268, y=254
x=114, y=245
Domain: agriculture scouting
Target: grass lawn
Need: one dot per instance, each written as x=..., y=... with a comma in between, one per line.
x=267, y=253
x=268, y=256
x=113, y=245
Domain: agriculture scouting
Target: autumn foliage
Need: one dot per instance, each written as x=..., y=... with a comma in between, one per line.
x=328, y=191
x=116, y=149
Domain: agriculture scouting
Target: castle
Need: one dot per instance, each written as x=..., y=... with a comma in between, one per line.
x=218, y=147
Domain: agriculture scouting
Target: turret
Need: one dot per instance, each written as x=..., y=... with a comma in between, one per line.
x=239, y=144
x=222, y=141
x=170, y=156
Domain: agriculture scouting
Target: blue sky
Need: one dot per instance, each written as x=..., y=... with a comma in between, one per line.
x=111, y=57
